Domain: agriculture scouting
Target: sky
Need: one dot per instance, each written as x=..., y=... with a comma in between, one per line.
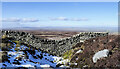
x=59, y=14
x=60, y=0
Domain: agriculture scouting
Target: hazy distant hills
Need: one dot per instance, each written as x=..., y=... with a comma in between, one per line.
x=81, y=29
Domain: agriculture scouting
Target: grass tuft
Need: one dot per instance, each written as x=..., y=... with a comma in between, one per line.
x=68, y=54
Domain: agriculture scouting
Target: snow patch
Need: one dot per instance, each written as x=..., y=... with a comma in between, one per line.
x=46, y=65
x=27, y=65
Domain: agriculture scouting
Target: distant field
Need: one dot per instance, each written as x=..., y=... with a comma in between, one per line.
x=60, y=33
x=53, y=35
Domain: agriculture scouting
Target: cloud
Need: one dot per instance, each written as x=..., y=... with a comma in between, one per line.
x=10, y=20
x=79, y=19
x=19, y=20
x=29, y=20
x=22, y=20
x=69, y=19
x=60, y=18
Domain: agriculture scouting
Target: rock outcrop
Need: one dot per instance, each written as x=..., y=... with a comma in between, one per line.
x=56, y=47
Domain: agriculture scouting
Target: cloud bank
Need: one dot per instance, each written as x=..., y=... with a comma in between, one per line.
x=37, y=20
x=69, y=19
x=19, y=20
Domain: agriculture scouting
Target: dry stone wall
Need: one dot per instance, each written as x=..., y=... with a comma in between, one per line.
x=56, y=47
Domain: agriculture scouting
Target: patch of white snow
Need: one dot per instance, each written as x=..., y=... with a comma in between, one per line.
x=46, y=65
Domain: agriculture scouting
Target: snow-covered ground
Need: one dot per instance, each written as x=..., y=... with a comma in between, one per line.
x=22, y=58
x=100, y=54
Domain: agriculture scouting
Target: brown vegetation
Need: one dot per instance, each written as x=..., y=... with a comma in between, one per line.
x=91, y=46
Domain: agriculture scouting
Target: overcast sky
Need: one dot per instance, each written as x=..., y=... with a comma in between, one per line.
x=59, y=14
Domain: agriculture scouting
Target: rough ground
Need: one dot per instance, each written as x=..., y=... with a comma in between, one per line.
x=18, y=55
x=91, y=46
x=81, y=53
